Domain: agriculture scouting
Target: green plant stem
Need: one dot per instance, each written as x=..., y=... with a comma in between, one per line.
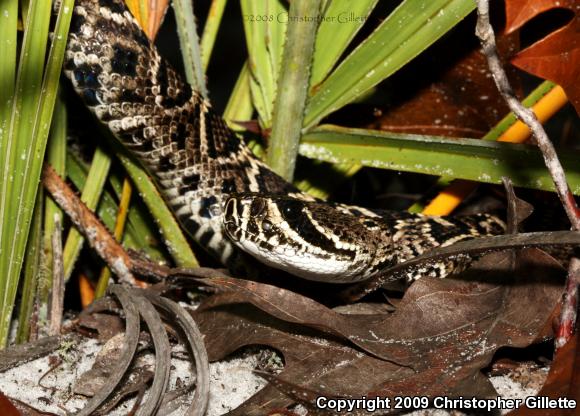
x=292, y=89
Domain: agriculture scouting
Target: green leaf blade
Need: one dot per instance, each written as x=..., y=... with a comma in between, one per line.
x=470, y=159
x=409, y=30
x=336, y=31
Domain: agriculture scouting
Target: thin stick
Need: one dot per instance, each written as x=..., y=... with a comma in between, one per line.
x=57, y=292
x=96, y=234
x=569, y=313
x=484, y=32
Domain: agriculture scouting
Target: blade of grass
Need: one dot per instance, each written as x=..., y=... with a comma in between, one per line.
x=325, y=178
x=408, y=30
x=239, y=106
x=31, y=273
x=292, y=89
x=140, y=234
x=8, y=41
x=8, y=63
x=264, y=30
x=103, y=281
x=472, y=159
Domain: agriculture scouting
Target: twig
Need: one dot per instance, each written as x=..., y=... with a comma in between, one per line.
x=57, y=292
x=568, y=316
x=23, y=353
x=97, y=235
x=484, y=32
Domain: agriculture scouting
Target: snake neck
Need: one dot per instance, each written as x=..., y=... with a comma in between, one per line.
x=198, y=163
x=195, y=159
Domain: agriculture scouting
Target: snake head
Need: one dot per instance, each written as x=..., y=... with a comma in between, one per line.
x=309, y=239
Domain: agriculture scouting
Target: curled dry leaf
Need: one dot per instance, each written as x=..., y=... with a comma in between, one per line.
x=555, y=57
x=444, y=332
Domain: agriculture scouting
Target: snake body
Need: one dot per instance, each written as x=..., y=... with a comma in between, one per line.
x=228, y=200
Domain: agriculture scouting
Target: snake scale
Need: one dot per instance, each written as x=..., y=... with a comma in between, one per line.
x=229, y=201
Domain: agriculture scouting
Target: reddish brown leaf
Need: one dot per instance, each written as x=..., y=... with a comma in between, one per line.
x=14, y=407
x=563, y=381
x=449, y=90
x=6, y=407
x=555, y=57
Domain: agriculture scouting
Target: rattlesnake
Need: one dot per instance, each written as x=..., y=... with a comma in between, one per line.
x=225, y=197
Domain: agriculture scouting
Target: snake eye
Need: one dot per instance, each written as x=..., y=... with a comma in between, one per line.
x=291, y=209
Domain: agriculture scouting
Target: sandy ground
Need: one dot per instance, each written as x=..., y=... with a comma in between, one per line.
x=49, y=387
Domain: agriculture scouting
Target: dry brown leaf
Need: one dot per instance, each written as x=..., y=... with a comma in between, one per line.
x=91, y=381
x=555, y=57
x=447, y=330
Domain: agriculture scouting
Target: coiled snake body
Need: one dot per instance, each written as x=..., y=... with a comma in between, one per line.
x=224, y=196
